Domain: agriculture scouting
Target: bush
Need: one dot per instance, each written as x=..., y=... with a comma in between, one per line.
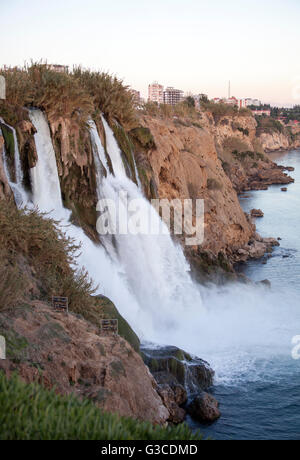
x=219, y=110
x=213, y=184
x=12, y=282
x=268, y=125
x=110, y=96
x=77, y=95
x=234, y=144
x=46, y=249
x=30, y=412
x=181, y=110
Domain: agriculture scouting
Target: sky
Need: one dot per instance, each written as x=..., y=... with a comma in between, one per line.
x=194, y=45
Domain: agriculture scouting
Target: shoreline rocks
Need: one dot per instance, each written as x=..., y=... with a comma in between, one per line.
x=204, y=408
x=181, y=379
x=256, y=213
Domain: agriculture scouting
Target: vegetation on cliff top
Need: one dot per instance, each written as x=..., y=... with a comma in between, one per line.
x=30, y=412
x=219, y=110
x=75, y=95
x=268, y=125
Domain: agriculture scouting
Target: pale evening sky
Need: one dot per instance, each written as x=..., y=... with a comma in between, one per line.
x=194, y=45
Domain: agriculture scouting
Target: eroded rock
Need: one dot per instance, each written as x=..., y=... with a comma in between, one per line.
x=204, y=408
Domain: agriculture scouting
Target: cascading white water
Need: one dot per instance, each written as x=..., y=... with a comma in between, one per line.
x=148, y=279
x=44, y=176
x=47, y=197
x=21, y=196
x=154, y=266
x=99, y=150
x=113, y=150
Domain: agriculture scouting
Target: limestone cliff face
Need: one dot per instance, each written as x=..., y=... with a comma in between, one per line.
x=68, y=353
x=186, y=165
x=76, y=171
x=288, y=139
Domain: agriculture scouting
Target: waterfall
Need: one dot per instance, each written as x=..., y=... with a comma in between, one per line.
x=147, y=276
x=113, y=150
x=148, y=279
x=47, y=197
x=20, y=195
x=44, y=176
x=154, y=266
x=98, y=149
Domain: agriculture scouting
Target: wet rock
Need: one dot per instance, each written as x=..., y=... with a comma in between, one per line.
x=284, y=189
x=172, y=399
x=266, y=283
x=204, y=408
x=289, y=168
x=271, y=242
x=257, y=250
x=175, y=365
x=257, y=213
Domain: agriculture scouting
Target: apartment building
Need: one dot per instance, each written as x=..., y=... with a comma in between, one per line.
x=136, y=96
x=173, y=96
x=156, y=93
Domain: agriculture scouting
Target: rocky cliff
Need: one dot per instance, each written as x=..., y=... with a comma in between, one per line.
x=206, y=157
x=212, y=159
x=287, y=139
x=67, y=353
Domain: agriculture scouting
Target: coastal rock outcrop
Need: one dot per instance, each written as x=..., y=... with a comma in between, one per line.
x=68, y=353
x=204, y=408
x=256, y=213
x=179, y=377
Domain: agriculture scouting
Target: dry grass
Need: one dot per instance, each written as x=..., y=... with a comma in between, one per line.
x=48, y=252
x=76, y=95
x=12, y=282
x=110, y=96
x=182, y=112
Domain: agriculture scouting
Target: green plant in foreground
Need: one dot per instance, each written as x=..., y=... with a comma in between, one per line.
x=30, y=412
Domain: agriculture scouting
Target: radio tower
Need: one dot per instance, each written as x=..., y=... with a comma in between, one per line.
x=229, y=90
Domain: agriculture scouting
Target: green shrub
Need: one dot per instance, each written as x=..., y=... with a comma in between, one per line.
x=108, y=311
x=268, y=125
x=234, y=144
x=144, y=137
x=213, y=184
x=30, y=412
x=219, y=110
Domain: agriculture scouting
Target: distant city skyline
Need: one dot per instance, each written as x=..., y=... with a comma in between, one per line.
x=193, y=45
